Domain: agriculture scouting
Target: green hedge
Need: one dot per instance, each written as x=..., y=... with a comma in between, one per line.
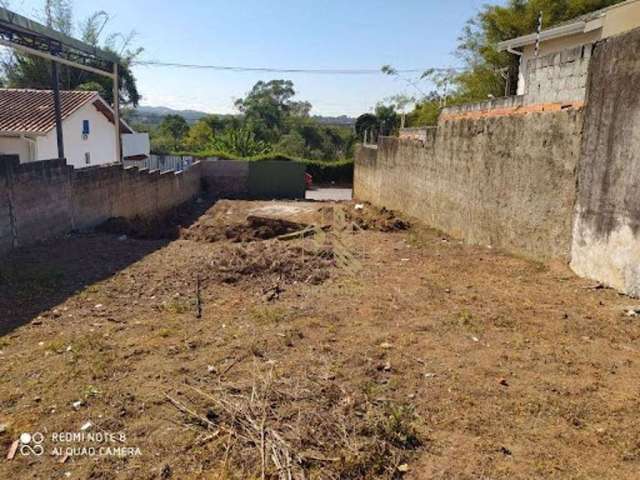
x=322, y=172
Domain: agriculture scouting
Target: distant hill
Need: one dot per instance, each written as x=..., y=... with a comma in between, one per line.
x=342, y=120
x=154, y=115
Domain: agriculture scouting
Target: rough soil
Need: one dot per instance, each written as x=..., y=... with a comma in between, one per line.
x=380, y=350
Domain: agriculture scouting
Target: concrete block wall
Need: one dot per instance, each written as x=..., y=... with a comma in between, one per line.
x=558, y=77
x=40, y=200
x=503, y=181
x=606, y=239
x=35, y=201
x=105, y=192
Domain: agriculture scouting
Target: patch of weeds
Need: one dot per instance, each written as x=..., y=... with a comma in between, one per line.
x=88, y=291
x=465, y=318
x=418, y=238
x=291, y=336
x=504, y=322
x=350, y=286
x=91, y=391
x=94, y=354
x=55, y=346
x=396, y=425
x=165, y=332
x=372, y=389
x=268, y=315
x=179, y=305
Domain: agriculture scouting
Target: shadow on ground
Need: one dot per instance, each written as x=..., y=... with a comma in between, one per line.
x=35, y=279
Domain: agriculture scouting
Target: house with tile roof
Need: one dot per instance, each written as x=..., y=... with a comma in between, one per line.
x=27, y=128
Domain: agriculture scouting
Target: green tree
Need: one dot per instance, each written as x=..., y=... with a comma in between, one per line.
x=367, y=124
x=387, y=118
x=292, y=144
x=267, y=107
x=174, y=127
x=241, y=142
x=24, y=71
x=199, y=136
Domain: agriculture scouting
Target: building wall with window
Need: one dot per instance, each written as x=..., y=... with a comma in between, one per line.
x=98, y=146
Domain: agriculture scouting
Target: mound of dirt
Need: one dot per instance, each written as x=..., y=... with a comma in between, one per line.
x=365, y=217
x=275, y=261
x=254, y=229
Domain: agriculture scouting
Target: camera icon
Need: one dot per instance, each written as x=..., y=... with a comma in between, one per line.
x=31, y=444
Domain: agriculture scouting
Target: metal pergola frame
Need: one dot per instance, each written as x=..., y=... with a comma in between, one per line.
x=32, y=38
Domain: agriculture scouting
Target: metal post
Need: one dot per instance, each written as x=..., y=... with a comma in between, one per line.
x=538, y=32
x=116, y=112
x=55, y=80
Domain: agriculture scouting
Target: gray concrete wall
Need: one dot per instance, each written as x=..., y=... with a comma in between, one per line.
x=226, y=178
x=503, y=181
x=606, y=242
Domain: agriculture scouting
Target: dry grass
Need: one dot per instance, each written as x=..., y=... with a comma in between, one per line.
x=306, y=427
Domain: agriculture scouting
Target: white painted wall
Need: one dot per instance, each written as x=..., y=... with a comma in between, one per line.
x=100, y=143
x=16, y=146
x=135, y=144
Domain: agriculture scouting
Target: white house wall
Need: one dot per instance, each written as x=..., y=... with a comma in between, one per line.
x=15, y=146
x=100, y=142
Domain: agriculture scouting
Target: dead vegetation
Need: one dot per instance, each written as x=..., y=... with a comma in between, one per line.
x=305, y=427
x=274, y=262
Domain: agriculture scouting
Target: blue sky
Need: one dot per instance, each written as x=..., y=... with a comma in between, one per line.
x=281, y=33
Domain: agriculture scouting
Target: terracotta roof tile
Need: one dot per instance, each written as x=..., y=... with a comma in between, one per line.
x=25, y=111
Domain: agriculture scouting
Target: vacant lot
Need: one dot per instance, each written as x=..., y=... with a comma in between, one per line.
x=251, y=345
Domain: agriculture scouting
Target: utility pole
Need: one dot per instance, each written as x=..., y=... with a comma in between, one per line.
x=55, y=80
x=116, y=112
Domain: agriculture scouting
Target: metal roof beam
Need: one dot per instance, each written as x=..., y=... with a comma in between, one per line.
x=19, y=26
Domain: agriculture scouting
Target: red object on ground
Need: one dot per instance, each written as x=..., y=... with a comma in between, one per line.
x=308, y=180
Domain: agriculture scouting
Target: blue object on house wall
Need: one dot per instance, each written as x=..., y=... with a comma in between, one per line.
x=85, y=127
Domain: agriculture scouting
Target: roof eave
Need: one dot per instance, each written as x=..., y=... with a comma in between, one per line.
x=18, y=133
x=552, y=33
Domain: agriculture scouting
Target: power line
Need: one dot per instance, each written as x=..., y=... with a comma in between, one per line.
x=314, y=71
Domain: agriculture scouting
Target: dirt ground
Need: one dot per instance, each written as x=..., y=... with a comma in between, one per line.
x=327, y=341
